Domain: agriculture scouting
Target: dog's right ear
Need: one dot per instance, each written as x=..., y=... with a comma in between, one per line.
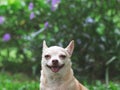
x=44, y=45
x=70, y=47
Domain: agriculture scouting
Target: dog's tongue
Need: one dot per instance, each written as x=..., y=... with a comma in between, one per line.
x=55, y=69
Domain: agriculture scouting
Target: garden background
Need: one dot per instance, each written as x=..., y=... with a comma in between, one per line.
x=94, y=25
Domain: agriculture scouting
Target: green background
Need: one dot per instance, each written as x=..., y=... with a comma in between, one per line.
x=94, y=25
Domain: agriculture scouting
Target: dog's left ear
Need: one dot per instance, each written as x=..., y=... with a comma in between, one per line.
x=44, y=45
x=70, y=48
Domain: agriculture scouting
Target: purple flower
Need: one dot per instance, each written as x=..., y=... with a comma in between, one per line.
x=31, y=5
x=54, y=4
x=32, y=15
x=89, y=20
x=48, y=1
x=46, y=25
x=2, y=19
x=6, y=37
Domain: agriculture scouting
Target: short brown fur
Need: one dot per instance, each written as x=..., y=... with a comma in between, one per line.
x=59, y=76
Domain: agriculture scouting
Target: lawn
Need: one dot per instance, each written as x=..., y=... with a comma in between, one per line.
x=98, y=85
x=20, y=81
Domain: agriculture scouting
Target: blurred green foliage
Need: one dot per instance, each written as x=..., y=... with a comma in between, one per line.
x=94, y=25
x=10, y=81
x=100, y=86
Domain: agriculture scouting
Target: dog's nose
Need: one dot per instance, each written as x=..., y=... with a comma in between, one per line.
x=55, y=62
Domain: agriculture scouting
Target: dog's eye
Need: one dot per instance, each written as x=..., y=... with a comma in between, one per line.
x=62, y=56
x=47, y=56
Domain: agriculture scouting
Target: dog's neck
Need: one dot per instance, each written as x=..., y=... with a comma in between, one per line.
x=57, y=78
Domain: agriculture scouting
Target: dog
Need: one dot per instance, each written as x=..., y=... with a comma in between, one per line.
x=56, y=73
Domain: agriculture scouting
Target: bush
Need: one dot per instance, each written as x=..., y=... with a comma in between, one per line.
x=94, y=25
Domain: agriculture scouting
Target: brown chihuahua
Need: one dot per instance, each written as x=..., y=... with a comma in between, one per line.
x=56, y=73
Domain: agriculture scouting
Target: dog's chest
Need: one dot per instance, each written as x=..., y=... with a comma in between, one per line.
x=59, y=88
x=59, y=85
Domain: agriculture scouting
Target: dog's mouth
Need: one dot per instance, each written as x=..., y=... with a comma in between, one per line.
x=55, y=68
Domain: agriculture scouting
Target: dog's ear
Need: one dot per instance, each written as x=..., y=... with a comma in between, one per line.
x=44, y=45
x=70, y=47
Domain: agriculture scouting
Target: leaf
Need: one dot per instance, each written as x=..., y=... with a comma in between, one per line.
x=4, y=52
x=56, y=29
x=101, y=29
x=13, y=53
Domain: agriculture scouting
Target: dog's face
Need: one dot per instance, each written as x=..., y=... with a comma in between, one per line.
x=56, y=59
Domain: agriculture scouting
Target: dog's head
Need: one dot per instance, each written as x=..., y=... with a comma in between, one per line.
x=55, y=58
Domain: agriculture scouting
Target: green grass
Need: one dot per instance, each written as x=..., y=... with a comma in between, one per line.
x=102, y=86
x=17, y=82
x=23, y=82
